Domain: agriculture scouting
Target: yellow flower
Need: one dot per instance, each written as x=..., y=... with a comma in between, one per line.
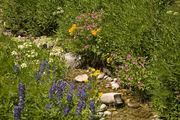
x=72, y=29
x=100, y=94
x=96, y=73
x=94, y=32
x=86, y=80
x=109, y=60
x=92, y=69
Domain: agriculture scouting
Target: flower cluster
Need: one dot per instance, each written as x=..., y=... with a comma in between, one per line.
x=86, y=27
x=20, y=106
x=133, y=71
x=66, y=92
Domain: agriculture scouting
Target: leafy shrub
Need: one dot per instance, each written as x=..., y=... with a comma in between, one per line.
x=34, y=17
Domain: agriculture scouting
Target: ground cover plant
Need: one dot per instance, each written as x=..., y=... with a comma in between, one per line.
x=136, y=41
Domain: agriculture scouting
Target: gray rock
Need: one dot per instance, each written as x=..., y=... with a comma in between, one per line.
x=72, y=60
x=105, y=70
x=100, y=114
x=115, y=85
x=107, y=113
x=111, y=98
x=103, y=107
x=101, y=76
x=109, y=79
x=81, y=78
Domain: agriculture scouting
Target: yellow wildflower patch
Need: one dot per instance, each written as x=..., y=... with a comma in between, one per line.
x=72, y=29
x=94, y=32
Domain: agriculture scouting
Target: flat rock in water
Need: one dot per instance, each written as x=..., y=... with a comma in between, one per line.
x=81, y=78
x=110, y=98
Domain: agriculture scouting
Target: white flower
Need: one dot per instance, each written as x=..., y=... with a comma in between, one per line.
x=169, y=12
x=14, y=53
x=23, y=65
x=51, y=60
x=21, y=47
x=175, y=13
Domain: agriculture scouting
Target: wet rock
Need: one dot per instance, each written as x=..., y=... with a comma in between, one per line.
x=103, y=107
x=107, y=113
x=111, y=98
x=101, y=76
x=81, y=78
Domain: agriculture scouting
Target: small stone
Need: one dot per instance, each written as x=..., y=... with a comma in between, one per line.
x=109, y=79
x=107, y=113
x=101, y=76
x=100, y=114
x=110, y=98
x=105, y=77
x=103, y=107
x=132, y=105
x=102, y=119
x=114, y=85
x=81, y=78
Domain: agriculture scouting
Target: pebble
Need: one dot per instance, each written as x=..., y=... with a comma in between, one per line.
x=81, y=78
x=101, y=76
x=103, y=107
x=107, y=113
x=114, y=85
x=109, y=79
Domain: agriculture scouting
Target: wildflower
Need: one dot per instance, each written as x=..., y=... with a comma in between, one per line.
x=52, y=90
x=109, y=60
x=86, y=80
x=169, y=12
x=96, y=73
x=14, y=53
x=128, y=57
x=72, y=29
x=175, y=13
x=60, y=88
x=23, y=65
x=66, y=110
x=92, y=69
x=21, y=95
x=94, y=32
x=79, y=107
x=92, y=106
x=100, y=94
x=17, y=113
x=21, y=47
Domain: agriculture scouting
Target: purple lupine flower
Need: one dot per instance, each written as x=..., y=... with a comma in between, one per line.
x=66, y=110
x=60, y=88
x=21, y=95
x=17, y=113
x=79, y=107
x=41, y=70
x=82, y=93
x=52, y=90
x=92, y=106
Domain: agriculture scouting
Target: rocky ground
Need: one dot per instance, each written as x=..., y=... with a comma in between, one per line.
x=123, y=107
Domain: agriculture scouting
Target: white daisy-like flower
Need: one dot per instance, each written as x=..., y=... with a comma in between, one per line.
x=14, y=53
x=21, y=47
x=23, y=65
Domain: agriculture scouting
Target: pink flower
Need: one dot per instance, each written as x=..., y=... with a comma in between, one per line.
x=89, y=27
x=129, y=56
x=86, y=46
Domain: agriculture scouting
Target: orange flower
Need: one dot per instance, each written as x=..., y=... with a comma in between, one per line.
x=72, y=29
x=94, y=32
